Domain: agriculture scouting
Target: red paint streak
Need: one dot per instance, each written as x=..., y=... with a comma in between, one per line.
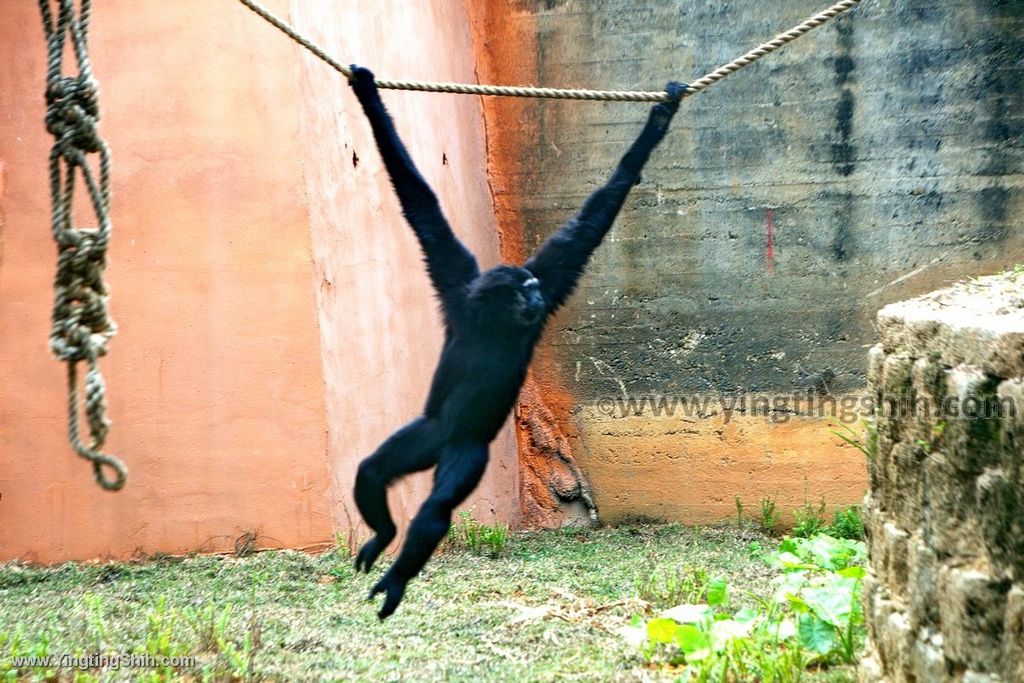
x=769, y=247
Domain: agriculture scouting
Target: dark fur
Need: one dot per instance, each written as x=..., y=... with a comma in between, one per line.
x=492, y=322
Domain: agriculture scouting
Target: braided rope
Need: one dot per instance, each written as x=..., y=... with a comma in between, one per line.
x=81, y=325
x=561, y=93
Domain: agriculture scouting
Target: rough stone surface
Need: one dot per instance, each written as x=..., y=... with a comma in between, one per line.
x=553, y=491
x=944, y=596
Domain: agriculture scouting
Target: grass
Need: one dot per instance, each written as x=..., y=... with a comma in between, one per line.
x=552, y=608
x=480, y=539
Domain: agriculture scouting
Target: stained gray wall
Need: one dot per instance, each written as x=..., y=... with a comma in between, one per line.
x=885, y=148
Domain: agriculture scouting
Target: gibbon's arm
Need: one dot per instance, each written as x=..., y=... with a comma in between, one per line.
x=449, y=264
x=560, y=261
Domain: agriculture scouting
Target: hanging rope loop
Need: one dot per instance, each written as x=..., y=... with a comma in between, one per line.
x=82, y=326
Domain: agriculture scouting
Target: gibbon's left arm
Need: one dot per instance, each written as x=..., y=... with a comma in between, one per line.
x=451, y=266
x=560, y=261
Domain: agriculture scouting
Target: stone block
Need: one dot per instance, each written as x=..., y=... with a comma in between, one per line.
x=873, y=517
x=897, y=643
x=929, y=658
x=894, y=394
x=878, y=465
x=925, y=419
x=972, y=607
x=1001, y=516
x=870, y=669
x=945, y=514
x=892, y=556
x=955, y=334
x=904, y=485
x=876, y=362
x=951, y=522
x=923, y=567
x=1010, y=395
x=971, y=431
x=896, y=375
x=1013, y=634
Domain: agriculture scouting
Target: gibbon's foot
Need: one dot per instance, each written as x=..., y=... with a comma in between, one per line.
x=394, y=588
x=369, y=553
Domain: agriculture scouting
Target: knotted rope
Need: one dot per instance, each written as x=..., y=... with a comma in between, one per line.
x=560, y=93
x=81, y=325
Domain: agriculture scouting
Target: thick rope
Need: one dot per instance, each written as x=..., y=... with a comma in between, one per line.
x=81, y=325
x=560, y=93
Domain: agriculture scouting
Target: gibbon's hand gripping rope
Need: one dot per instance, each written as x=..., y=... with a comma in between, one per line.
x=81, y=325
x=560, y=93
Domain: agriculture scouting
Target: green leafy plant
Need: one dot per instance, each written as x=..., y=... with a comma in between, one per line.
x=16, y=645
x=673, y=586
x=868, y=446
x=846, y=523
x=928, y=445
x=739, y=512
x=95, y=625
x=814, y=618
x=809, y=520
x=770, y=517
x=239, y=654
x=478, y=538
x=207, y=623
x=161, y=639
x=822, y=585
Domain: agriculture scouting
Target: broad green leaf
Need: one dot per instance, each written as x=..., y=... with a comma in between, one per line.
x=853, y=572
x=689, y=614
x=746, y=614
x=797, y=603
x=726, y=630
x=832, y=603
x=718, y=593
x=815, y=634
x=691, y=639
x=790, y=562
x=661, y=630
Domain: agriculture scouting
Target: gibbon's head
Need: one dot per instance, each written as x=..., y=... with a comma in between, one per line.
x=507, y=296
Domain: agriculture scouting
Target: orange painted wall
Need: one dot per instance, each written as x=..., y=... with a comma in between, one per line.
x=275, y=323
x=379, y=322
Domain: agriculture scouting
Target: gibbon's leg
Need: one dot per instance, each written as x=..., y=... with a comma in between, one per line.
x=458, y=472
x=412, y=448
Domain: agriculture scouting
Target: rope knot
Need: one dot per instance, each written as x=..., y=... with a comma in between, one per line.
x=72, y=108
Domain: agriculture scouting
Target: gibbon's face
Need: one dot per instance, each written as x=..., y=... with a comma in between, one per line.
x=508, y=296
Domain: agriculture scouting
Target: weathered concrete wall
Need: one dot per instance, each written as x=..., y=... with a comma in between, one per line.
x=275, y=322
x=876, y=157
x=944, y=598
